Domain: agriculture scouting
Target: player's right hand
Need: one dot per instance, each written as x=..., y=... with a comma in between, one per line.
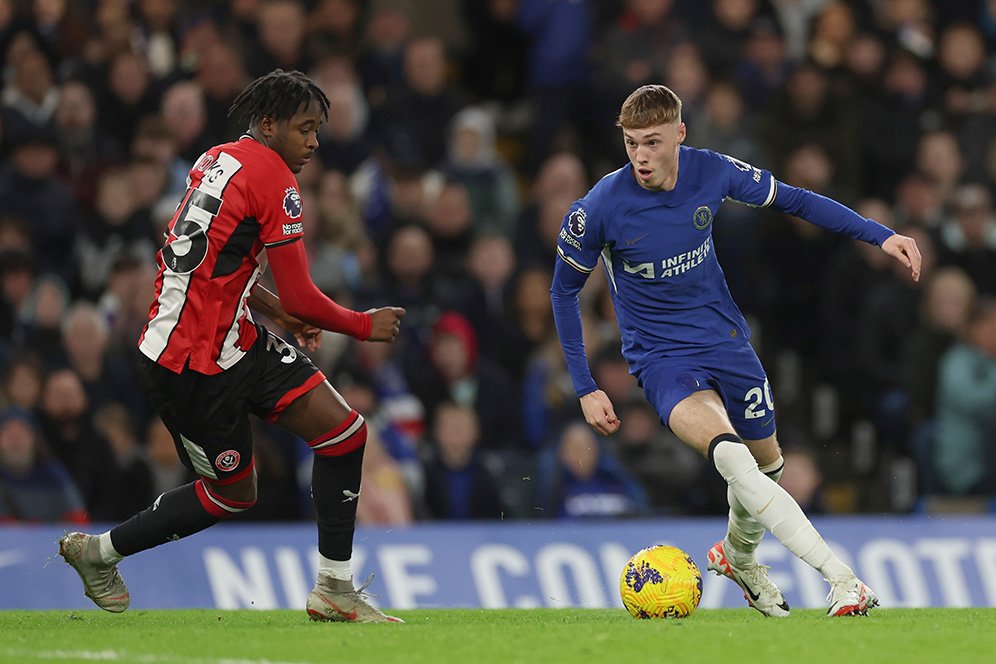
x=599, y=413
x=386, y=323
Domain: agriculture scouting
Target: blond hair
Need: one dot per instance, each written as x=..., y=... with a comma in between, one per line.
x=649, y=106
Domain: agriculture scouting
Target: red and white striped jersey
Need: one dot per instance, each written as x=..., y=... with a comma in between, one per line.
x=240, y=199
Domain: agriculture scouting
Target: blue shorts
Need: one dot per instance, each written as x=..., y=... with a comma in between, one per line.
x=735, y=372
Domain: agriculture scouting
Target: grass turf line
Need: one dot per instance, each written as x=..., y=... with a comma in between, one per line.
x=480, y=636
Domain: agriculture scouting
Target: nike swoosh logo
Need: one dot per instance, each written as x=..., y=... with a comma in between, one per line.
x=768, y=423
x=761, y=511
x=351, y=616
x=630, y=243
x=753, y=596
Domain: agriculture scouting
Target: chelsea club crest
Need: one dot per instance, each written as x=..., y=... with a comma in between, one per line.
x=702, y=217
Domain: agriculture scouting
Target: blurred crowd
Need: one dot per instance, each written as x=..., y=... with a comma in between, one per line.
x=459, y=134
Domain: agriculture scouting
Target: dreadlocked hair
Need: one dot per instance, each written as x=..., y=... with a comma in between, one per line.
x=279, y=94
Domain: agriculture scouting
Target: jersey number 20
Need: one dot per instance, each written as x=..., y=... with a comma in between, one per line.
x=754, y=398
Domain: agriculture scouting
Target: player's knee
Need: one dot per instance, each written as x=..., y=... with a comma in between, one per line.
x=242, y=492
x=731, y=457
x=225, y=501
x=348, y=436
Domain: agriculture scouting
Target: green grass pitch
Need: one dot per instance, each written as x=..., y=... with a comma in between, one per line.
x=476, y=636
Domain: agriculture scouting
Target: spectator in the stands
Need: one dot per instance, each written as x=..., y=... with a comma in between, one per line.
x=581, y=478
x=453, y=370
x=964, y=453
x=34, y=487
x=30, y=189
x=968, y=240
x=458, y=484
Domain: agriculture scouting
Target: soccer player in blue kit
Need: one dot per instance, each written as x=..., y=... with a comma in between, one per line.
x=684, y=338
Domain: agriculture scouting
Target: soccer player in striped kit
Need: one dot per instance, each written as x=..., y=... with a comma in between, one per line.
x=207, y=365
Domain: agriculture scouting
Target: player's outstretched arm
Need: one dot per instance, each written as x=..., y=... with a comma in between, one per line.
x=599, y=413
x=904, y=250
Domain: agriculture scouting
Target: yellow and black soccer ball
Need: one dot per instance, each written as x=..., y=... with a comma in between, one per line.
x=661, y=582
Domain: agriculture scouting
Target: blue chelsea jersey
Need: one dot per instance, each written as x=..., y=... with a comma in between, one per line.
x=668, y=289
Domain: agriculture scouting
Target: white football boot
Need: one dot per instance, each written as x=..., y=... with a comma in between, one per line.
x=850, y=597
x=759, y=591
x=335, y=600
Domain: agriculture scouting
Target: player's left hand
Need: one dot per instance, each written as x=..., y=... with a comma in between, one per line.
x=903, y=248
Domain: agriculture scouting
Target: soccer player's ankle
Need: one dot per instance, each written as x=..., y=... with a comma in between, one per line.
x=335, y=569
x=837, y=578
x=835, y=570
x=108, y=554
x=737, y=552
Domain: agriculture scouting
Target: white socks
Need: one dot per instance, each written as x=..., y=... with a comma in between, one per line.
x=107, y=552
x=744, y=532
x=337, y=569
x=773, y=507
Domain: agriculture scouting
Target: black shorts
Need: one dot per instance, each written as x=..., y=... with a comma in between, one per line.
x=209, y=415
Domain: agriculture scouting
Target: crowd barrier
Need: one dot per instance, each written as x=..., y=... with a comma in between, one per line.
x=914, y=561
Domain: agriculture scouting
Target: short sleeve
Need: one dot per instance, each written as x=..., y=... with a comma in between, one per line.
x=281, y=214
x=746, y=184
x=579, y=243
